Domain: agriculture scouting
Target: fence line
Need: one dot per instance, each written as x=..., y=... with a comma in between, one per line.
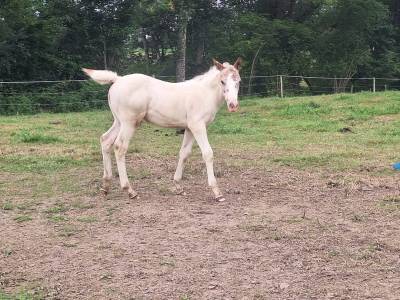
x=243, y=77
x=60, y=95
x=43, y=81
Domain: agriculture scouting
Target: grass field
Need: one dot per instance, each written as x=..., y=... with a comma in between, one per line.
x=50, y=165
x=341, y=132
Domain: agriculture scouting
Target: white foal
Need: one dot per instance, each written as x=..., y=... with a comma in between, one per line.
x=191, y=104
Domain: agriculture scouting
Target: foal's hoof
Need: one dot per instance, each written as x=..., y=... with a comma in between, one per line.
x=104, y=191
x=220, y=198
x=178, y=190
x=132, y=195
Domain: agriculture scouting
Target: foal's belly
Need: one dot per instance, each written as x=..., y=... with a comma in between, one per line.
x=165, y=119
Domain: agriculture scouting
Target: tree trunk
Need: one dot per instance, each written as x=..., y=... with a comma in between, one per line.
x=252, y=68
x=291, y=9
x=199, y=54
x=183, y=18
x=105, y=53
x=396, y=12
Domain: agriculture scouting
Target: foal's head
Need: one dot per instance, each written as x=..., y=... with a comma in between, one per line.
x=230, y=79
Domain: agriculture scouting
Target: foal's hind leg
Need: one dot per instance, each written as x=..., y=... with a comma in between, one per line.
x=200, y=134
x=106, y=141
x=120, y=148
x=184, y=153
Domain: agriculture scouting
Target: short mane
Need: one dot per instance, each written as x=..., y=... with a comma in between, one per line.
x=207, y=77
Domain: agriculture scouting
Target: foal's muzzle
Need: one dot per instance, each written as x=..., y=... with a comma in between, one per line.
x=232, y=107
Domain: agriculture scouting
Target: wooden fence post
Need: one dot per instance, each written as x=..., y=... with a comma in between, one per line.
x=374, y=85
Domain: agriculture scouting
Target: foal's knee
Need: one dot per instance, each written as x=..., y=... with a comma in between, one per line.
x=208, y=155
x=120, y=149
x=105, y=143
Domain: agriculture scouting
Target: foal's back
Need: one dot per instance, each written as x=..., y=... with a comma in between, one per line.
x=163, y=103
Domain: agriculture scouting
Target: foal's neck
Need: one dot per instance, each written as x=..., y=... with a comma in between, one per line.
x=211, y=80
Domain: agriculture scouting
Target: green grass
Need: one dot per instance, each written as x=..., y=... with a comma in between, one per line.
x=391, y=203
x=22, y=218
x=60, y=153
x=26, y=136
x=7, y=206
x=22, y=295
x=57, y=218
x=306, y=132
x=58, y=208
x=87, y=219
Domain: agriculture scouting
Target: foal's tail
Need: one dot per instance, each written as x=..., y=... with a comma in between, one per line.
x=102, y=77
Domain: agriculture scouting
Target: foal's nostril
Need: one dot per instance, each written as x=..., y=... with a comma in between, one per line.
x=231, y=105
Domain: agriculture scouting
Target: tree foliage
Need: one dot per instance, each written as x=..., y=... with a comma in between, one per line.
x=53, y=39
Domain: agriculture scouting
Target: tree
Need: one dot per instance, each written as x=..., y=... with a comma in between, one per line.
x=348, y=37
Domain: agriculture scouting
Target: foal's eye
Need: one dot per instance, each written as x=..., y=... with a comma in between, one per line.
x=223, y=82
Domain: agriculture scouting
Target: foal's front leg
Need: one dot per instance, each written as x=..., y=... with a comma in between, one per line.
x=184, y=153
x=200, y=134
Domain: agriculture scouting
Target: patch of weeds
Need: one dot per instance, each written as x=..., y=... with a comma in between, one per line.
x=259, y=297
x=167, y=262
x=344, y=97
x=7, y=206
x=302, y=109
x=67, y=231
x=376, y=247
x=140, y=174
x=370, y=251
x=26, y=136
x=229, y=129
x=135, y=150
x=392, y=199
x=253, y=227
x=184, y=297
x=57, y=218
x=28, y=205
x=7, y=253
x=163, y=190
x=333, y=253
x=106, y=276
x=276, y=237
x=367, y=112
x=391, y=203
x=365, y=255
x=356, y=218
x=82, y=205
x=22, y=295
x=38, y=163
x=22, y=218
x=294, y=220
x=87, y=219
x=213, y=230
x=111, y=211
x=334, y=160
x=58, y=208
x=69, y=245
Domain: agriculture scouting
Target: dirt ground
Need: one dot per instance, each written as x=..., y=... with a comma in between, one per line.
x=281, y=234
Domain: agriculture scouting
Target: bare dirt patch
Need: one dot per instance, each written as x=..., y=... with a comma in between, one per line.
x=281, y=234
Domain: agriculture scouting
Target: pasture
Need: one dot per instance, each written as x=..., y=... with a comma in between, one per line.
x=312, y=210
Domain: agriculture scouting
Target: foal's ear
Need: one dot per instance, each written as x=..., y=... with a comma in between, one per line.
x=238, y=63
x=219, y=66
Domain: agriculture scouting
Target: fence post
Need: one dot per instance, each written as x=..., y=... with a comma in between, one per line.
x=281, y=84
x=374, y=85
